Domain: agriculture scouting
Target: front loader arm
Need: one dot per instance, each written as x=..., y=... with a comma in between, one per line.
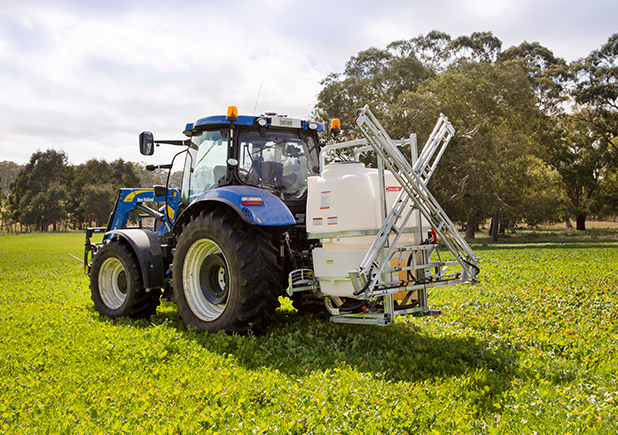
x=127, y=201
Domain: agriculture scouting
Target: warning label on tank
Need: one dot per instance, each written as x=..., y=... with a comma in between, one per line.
x=393, y=188
x=324, y=200
x=331, y=220
x=317, y=222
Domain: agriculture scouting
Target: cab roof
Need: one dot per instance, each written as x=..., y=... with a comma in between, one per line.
x=272, y=119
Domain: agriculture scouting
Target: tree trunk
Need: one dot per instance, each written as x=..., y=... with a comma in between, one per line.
x=580, y=222
x=492, y=223
x=568, y=224
x=510, y=226
x=471, y=225
x=495, y=226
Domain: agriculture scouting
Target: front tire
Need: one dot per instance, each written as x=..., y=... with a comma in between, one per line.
x=225, y=274
x=116, y=284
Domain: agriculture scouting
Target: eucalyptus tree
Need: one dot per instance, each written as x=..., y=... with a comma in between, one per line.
x=596, y=91
x=38, y=192
x=431, y=49
x=583, y=161
x=93, y=187
x=2, y=211
x=549, y=75
x=499, y=102
x=492, y=109
x=8, y=172
x=581, y=144
x=374, y=75
x=479, y=47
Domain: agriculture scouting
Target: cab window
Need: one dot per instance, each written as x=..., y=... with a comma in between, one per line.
x=206, y=163
x=275, y=160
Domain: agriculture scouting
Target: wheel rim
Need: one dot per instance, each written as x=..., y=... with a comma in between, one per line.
x=112, y=283
x=206, y=280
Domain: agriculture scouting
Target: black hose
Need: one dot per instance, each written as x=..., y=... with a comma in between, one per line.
x=409, y=275
x=353, y=308
x=358, y=292
x=472, y=265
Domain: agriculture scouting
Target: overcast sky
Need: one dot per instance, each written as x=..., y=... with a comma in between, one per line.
x=87, y=76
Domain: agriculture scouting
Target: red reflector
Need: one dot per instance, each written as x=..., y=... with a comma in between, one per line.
x=435, y=237
x=252, y=200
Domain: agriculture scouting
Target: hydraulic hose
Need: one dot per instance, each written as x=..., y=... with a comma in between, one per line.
x=472, y=265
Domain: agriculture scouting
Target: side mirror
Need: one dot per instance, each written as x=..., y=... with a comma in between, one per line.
x=146, y=143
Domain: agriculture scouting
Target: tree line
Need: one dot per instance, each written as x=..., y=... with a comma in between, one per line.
x=536, y=137
x=48, y=193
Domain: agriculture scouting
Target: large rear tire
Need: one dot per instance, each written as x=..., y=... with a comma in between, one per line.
x=225, y=274
x=116, y=284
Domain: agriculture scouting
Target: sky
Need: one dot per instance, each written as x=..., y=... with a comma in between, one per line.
x=87, y=76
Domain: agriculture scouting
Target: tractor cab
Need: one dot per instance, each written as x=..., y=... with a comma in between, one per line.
x=270, y=152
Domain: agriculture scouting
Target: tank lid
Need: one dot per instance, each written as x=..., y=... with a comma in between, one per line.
x=337, y=169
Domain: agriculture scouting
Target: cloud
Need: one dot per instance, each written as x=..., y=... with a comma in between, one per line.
x=87, y=77
x=103, y=80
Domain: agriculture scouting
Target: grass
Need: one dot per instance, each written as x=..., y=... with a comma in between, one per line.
x=533, y=349
x=596, y=231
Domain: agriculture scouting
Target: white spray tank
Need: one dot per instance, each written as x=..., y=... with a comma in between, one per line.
x=344, y=212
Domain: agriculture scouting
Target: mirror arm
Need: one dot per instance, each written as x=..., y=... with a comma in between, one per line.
x=185, y=143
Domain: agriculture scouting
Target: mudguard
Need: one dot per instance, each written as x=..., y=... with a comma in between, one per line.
x=147, y=247
x=272, y=211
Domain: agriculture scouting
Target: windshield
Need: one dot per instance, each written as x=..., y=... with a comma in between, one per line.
x=277, y=160
x=205, y=164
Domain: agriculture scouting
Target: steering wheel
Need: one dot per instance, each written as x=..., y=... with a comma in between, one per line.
x=245, y=176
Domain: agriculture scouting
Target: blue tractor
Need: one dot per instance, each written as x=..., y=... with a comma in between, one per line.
x=260, y=213
x=222, y=245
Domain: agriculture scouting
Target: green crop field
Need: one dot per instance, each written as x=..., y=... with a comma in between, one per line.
x=532, y=349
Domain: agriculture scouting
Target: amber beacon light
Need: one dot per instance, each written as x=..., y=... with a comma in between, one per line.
x=335, y=127
x=232, y=114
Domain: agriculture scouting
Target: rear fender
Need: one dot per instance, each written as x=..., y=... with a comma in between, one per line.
x=272, y=213
x=147, y=248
